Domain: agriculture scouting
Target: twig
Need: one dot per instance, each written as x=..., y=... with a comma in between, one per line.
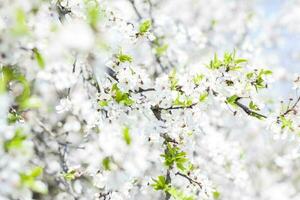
x=135, y=9
x=292, y=108
x=192, y=181
x=73, y=71
x=62, y=156
x=178, y=107
x=248, y=111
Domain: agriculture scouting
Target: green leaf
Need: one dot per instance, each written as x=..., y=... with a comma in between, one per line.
x=6, y=75
x=173, y=155
x=259, y=82
x=215, y=63
x=39, y=58
x=173, y=80
x=29, y=180
x=106, y=163
x=93, y=13
x=186, y=102
x=126, y=135
x=228, y=58
x=179, y=195
x=240, y=60
x=235, y=68
x=216, y=194
x=37, y=171
x=124, y=58
x=253, y=106
x=203, y=96
x=198, y=78
x=249, y=75
x=103, y=103
x=160, y=183
x=13, y=118
x=160, y=50
x=265, y=72
x=20, y=28
x=30, y=103
x=145, y=27
x=16, y=142
x=70, y=175
x=286, y=123
x=229, y=62
x=232, y=100
x=121, y=97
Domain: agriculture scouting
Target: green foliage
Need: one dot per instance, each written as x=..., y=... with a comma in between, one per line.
x=265, y=72
x=203, y=97
x=173, y=80
x=16, y=142
x=215, y=63
x=213, y=23
x=103, y=103
x=198, y=78
x=13, y=118
x=260, y=82
x=106, y=163
x=39, y=58
x=216, y=194
x=124, y=58
x=70, y=175
x=232, y=100
x=121, y=97
x=6, y=76
x=145, y=26
x=159, y=46
x=186, y=102
x=257, y=78
x=253, y=106
x=229, y=62
x=286, y=123
x=25, y=100
x=26, y=88
x=29, y=180
x=160, y=50
x=240, y=60
x=174, y=156
x=31, y=103
x=179, y=195
x=161, y=184
x=249, y=75
x=20, y=27
x=93, y=13
x=126, y=135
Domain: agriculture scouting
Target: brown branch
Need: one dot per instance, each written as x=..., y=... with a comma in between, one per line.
x=192, y=181
x=73, y=71
x=62, y=11
x=178, y=107
x=249, y=111
x=135, y=9
x=292, y=108
x=112, y=73
x=167, y=138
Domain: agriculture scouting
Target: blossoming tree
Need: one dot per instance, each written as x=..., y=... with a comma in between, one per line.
x=148, y=99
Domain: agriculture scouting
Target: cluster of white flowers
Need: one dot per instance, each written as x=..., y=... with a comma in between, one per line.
x=146, y=99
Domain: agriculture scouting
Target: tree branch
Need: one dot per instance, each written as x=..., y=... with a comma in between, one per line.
x=192, y=181
x=292, y=108
x=249, y=111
